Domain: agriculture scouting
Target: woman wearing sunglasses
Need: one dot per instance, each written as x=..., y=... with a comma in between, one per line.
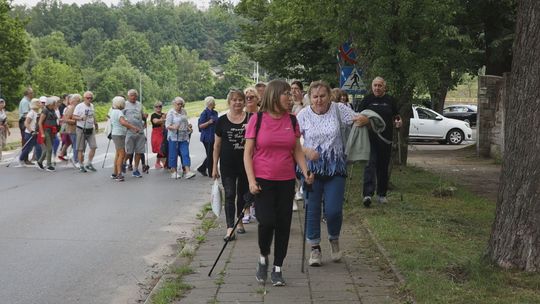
x=158, y=120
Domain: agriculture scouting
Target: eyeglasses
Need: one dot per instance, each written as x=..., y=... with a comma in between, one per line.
x=288, y=93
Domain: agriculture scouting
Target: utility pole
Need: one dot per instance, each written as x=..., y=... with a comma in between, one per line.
x=140, y=87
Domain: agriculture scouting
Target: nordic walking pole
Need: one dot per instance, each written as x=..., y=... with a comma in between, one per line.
x=246, y=205
x=399, y=157
x=349, y=180
x=20, y=152
x=146, y=167
x=107, y=151
x=307, y=189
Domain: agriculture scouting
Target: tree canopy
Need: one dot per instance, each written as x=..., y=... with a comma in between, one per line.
x=14, y=50
x=168, y=48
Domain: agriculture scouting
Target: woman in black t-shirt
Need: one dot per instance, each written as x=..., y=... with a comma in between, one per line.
x=158, y=120
x=229, y=150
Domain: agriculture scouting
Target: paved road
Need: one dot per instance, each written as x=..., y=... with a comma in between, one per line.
x=70, y=237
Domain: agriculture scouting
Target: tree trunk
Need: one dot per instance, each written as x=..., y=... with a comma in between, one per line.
x=438, y=94
x=515, y=236
x=401, y=136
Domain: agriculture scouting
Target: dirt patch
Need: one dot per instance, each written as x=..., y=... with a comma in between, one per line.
x=462, y=166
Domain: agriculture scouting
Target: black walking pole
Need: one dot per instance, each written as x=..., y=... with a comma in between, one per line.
x=399, y=157
x=248, y=198
x=307, y=188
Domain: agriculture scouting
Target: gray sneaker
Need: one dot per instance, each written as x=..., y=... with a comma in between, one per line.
x=277, y=278
x=82, y=169
x=335, y=253
x=367, y=201
x=262, y=271
x=90, y=167
x=382, y=200
x=315, y=257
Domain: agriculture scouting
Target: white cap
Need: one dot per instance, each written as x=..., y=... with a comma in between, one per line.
x=50, y=101
x=43, y=99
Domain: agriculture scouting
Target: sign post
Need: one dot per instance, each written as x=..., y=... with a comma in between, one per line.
x=350, y=78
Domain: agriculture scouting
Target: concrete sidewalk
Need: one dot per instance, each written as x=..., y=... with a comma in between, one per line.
x=356, y=279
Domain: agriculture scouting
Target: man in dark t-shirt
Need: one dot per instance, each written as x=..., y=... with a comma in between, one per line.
x=376, y=171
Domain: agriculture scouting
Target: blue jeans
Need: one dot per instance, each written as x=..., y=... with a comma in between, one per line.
x=179, y=148
x=29, y=146
x=73, y=137
x=332, y=189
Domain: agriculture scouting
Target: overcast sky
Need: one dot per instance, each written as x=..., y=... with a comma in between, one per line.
x=202, y=4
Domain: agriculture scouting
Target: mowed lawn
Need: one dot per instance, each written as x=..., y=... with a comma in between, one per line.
x=439, y=243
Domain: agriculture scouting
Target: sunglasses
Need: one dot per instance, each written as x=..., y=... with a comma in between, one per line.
x=250, y=97
x=158, y=106
x=89, y=98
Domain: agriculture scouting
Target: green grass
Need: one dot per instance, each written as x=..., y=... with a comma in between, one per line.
x=195, y=108
x=171, y=290
x=439, y=243
x=174, y=288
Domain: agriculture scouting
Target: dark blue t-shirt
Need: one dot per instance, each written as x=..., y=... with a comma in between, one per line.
x=385, y=106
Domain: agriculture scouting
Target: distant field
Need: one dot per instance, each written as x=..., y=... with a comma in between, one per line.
x=465, y=93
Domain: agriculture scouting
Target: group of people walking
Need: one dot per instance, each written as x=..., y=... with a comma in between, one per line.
x=40, y=120
x=273, y=139
x=289, y=140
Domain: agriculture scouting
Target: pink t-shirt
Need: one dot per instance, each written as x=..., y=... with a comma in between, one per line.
x=273, y=158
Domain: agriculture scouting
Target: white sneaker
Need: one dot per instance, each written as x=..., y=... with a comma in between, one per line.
x=252, y=213
x=382, y=200
x=315, y=257
x=189, y=175
x=294, y=206
x=174, y=175
x=335, y=252
x=298, y=196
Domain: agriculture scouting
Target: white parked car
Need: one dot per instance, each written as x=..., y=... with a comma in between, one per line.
x=429, y=125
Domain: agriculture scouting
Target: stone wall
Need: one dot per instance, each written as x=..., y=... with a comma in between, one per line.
x=490, y=130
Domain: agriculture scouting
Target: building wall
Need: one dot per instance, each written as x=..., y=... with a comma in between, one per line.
x=490, y=130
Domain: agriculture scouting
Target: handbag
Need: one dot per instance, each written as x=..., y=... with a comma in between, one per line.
x=216, y=198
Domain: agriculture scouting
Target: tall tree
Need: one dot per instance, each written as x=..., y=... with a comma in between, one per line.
x=515, y=236
x=50, y=77
x=14, y=50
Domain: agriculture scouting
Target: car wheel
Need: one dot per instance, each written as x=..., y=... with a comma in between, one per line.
x=454, y=137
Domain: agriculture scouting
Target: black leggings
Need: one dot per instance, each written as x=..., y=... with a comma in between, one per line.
x=273, y=206
x=235, y=187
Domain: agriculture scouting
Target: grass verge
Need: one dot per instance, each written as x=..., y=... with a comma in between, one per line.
x=438, y=243
x=173, y=286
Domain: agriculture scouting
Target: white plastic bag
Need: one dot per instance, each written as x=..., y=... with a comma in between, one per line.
x=215, y=198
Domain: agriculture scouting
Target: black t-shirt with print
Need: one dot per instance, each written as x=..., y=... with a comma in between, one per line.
x=386, y=107
x=231, y=157
x=155, y=116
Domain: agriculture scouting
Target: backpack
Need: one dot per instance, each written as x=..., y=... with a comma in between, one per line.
x=259, y=120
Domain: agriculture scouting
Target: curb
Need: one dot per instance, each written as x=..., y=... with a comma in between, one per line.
x=393, y=267
x=184, y=258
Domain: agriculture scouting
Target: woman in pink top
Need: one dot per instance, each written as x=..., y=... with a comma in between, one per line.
x=271, y=152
